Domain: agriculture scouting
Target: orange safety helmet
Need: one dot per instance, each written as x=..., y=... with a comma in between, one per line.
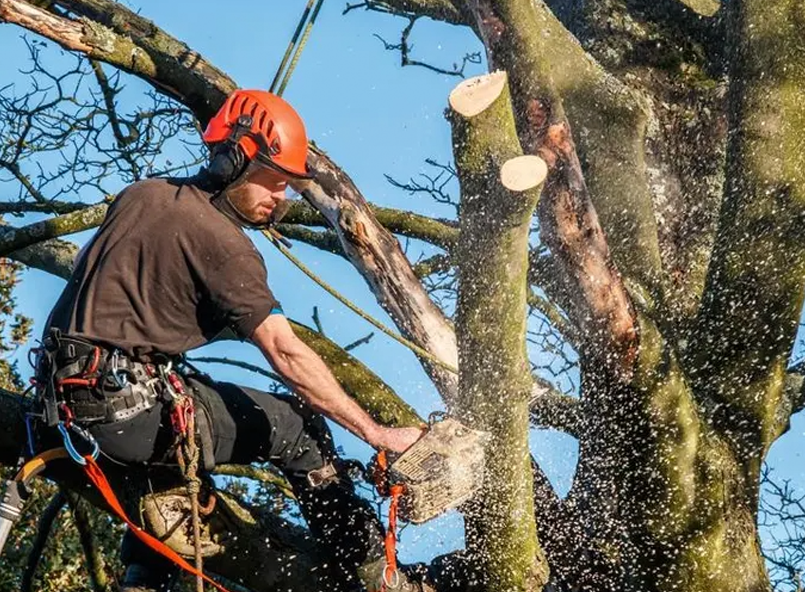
x=257, y=124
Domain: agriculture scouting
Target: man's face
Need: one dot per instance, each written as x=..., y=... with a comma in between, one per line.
x=258, y=193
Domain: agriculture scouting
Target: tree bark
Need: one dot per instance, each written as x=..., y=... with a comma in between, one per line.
x=377, y=255
x=495, y=376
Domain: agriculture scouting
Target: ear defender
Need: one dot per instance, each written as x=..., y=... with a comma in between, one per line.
x=228, y=160
x=226, y=164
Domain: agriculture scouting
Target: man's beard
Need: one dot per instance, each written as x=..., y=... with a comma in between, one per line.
x=245, y=207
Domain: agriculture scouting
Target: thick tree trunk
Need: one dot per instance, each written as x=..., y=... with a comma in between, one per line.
x=495, y=379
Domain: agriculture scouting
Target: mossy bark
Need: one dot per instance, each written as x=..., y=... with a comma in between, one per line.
x=495, y=381
x=547, y=65
x=756, y=282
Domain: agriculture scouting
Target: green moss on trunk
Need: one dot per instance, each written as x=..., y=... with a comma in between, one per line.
x=495, y=382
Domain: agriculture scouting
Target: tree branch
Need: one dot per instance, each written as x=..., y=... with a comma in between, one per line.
x=257, y=474
x=500, y=188
x=378, y=257
x=126, y=40
x=52, y=256
x=449, y=11
x=549, y=71
x=442, y=233
x=756, y=280
x=45, y=207
x=13, y=239
x=551, y=409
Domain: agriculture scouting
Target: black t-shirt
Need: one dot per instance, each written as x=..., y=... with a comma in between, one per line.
x=166, y=272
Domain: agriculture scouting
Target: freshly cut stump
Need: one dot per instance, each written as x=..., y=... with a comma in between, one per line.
x=523, y=172
x=475, y=95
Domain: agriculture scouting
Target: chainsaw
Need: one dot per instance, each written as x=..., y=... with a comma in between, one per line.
x=439, y=472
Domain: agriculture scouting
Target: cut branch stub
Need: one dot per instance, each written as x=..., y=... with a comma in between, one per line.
x=476, y=95
x=523, y=173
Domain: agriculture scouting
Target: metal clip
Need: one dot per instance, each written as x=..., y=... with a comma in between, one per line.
x=70, y=447
x=121, y=379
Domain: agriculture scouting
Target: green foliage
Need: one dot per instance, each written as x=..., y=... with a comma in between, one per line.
x=62, y=566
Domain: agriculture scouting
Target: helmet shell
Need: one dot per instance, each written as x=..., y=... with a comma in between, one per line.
x=281, y=132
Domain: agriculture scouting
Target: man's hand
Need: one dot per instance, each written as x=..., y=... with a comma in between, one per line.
x=397, y=439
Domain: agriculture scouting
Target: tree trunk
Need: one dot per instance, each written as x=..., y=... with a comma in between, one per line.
x=495, y=379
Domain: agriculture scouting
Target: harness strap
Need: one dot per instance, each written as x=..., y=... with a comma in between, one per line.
x=96, y=476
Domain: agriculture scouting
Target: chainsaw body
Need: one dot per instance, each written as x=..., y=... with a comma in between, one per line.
x=443, y=469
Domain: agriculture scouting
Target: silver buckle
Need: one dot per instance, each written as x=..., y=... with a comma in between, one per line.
x=318, y=477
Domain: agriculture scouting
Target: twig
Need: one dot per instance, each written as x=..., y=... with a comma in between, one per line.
x=405, y=47
x=435, y=187
x=359, y=342
x=49, y=516
x=317, y=321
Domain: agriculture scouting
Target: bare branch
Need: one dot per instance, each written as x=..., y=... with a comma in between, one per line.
x=551, y=409
x=450, y=11
x=434, y=186
x=359, y=342
x=405, y=47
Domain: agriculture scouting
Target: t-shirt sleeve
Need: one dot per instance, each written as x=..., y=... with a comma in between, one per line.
x=239, y=290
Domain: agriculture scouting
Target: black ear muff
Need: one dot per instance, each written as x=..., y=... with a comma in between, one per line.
x=226, y=164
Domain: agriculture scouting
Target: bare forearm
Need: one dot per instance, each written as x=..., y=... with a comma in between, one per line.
x=307, y=374
x=310, y=378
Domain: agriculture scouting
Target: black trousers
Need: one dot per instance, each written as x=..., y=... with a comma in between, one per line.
x=249, y=426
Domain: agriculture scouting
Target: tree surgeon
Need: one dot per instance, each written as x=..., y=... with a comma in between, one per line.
x=169, y=270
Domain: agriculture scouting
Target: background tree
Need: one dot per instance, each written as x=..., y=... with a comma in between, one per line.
x=666, y=261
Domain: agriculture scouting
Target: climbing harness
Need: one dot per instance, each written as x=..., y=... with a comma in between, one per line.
x=69, y=371
x=440, y=471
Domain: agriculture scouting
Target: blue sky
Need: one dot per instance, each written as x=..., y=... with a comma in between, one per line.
x=373, y=118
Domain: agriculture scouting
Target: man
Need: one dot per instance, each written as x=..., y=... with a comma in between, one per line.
x=169, y=270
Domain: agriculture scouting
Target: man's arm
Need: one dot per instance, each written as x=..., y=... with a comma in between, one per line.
x=310, y=378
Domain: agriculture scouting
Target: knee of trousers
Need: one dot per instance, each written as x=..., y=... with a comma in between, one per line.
x=303, y=442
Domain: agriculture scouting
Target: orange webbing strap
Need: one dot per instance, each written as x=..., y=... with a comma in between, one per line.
x=98, y=479
x=395, y=491
x=390, y=570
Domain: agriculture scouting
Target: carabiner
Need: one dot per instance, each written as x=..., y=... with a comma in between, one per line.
x=121, y=382
x=70, y=447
